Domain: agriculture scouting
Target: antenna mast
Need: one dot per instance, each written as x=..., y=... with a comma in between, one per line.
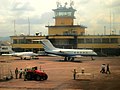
x=110, y=21
x=14, y=28
x=28, y=26
x=104, y=30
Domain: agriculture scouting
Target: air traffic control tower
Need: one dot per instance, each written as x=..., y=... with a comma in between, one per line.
x=64, y=22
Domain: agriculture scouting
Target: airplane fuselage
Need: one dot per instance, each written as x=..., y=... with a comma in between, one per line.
x=22, y=55
x=19, y=54
x=72, y=52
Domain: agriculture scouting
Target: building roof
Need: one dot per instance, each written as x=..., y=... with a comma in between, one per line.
x=68, y=26
x=64, y=9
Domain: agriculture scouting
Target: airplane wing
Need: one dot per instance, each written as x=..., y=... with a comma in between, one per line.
x=6, y=54
x=76, y=56
x=54, y=55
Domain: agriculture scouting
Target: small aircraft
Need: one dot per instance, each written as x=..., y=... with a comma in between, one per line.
x=22, y=55
x=69, y=54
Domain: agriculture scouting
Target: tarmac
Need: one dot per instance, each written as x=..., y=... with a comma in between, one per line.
x=60, y=74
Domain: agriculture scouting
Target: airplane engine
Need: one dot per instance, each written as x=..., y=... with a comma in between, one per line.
x=26, y=57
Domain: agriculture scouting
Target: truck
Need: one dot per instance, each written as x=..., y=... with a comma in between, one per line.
x=35, y=74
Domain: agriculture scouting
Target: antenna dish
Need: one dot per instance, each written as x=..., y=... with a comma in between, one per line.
x=71, y=3
x=65, y=4
x=58, y=4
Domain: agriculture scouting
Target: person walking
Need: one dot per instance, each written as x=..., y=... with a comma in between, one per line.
x=16, y=73
x=107, y=69
x=102, y=68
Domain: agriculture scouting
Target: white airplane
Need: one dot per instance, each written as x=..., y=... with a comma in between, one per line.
x=22, y=55
x=69, y=54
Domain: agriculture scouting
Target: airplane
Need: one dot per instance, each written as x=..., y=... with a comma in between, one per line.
x=22, y=55
x=69, y=54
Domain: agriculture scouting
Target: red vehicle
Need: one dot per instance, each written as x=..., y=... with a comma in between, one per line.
x=34, y=74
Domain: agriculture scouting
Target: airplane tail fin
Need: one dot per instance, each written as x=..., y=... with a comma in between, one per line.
x=47, y=45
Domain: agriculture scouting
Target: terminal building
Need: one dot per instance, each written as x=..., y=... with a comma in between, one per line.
x=5, y=48
x=64, y=34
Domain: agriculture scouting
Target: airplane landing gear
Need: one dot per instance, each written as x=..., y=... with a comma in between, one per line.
x=69, y=59
x=92, y=58
x=65, y=59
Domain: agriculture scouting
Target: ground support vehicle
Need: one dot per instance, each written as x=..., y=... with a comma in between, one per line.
x=35, y=74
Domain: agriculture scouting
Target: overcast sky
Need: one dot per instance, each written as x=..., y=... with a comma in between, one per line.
x=95, y=14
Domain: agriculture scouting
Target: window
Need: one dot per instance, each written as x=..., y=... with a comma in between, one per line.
x=114, y=40
x=82, y=33
x=36, y=42
x=97, y=40
x=88, y=40
x=105, y=40
x=63, y=13
x=21, y=41
x=74, y=32
x=65, y=33
x=61, y=42
x=5, y=48
x=28, y=41
x=81, y=41
x=15, y=41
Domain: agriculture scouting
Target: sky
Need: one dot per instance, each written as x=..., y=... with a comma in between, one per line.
x=99, y=16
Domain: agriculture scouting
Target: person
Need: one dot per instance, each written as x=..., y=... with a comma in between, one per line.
x=102, y=68
x=74, y=74
x=20, y=73
x=107, y=69
x=25, y=74
x=83, y=70
x=16, y=73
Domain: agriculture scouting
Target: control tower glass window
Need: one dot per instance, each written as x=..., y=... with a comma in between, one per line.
x=63, y=13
